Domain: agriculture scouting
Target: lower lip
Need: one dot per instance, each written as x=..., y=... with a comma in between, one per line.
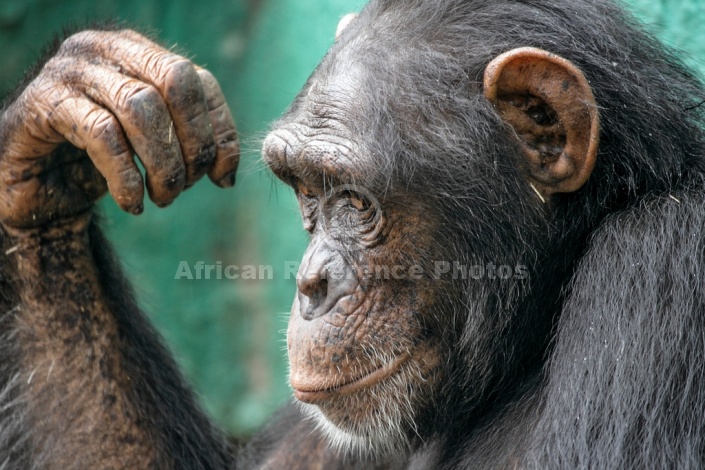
x=352, y=387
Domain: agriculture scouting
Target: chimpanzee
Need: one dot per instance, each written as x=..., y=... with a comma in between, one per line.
x=530, y=171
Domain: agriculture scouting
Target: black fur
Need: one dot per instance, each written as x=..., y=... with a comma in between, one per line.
x=183, y=433
x=597, y=360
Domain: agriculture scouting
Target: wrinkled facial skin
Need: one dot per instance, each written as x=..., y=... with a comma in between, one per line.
x=360, y=346
x=361, y=340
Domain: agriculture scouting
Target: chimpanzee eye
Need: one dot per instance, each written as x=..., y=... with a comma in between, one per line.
x=356, y=200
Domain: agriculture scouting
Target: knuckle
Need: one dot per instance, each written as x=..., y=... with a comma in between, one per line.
x=40, y=93
x=183, y=85
x=36, y=114
x=159, y=62
x=142, y=102
x=80, y=42
x=208, y=78
x=105, y=131
x=153, y=59
x=211, y=88
x=57, y=71
x=143, y=93
x=139, y=39
x=129, y=33
x=182, y=69
x=54, y=64
x=101, y=125
x=73, y=40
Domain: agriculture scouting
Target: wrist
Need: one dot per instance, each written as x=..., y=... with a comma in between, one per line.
x=65, y=229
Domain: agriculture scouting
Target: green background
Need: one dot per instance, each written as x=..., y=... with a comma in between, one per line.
x=228, y=335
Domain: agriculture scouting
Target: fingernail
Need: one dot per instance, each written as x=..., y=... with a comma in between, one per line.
x=228, y=181
x=138, y=209
x=162, y=205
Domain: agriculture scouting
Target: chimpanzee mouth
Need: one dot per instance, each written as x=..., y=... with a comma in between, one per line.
x=352, y=386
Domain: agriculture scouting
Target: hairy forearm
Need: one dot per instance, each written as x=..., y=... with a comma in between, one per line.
x=99, y=390
x=70, y=368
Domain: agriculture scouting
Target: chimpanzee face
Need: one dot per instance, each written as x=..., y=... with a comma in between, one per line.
x=362, y=355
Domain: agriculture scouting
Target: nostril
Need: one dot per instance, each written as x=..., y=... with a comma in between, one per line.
x=309, y=284
x=312, y=298
x=314, y=289
x=323, y=287
x=319, y=293
x=323, y=279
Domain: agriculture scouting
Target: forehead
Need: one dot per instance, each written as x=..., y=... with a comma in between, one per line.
x=362, y=113
x=330, y=129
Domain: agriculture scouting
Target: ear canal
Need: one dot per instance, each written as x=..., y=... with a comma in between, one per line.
x=549, y=103
x=343, y=23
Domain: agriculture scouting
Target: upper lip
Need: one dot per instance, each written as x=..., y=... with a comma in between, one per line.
x=313, y=394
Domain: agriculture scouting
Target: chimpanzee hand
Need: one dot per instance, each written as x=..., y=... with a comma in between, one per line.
x=103, y=97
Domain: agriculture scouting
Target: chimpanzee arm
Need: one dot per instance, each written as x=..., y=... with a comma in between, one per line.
x=97, y=389
x=84, y=380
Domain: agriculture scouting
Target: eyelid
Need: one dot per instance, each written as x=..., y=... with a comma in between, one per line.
x=357, y=200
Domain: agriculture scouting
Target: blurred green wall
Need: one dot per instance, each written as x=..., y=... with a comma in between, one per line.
x=227, y=335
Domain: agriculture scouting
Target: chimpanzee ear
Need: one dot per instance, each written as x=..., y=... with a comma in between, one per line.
x=549, y=104
x=343, y=23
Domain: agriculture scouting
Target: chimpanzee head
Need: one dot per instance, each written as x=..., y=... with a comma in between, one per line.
x=444, y=157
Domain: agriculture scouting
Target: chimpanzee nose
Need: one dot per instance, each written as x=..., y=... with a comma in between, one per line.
x=323, y=279
x=313, y=292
